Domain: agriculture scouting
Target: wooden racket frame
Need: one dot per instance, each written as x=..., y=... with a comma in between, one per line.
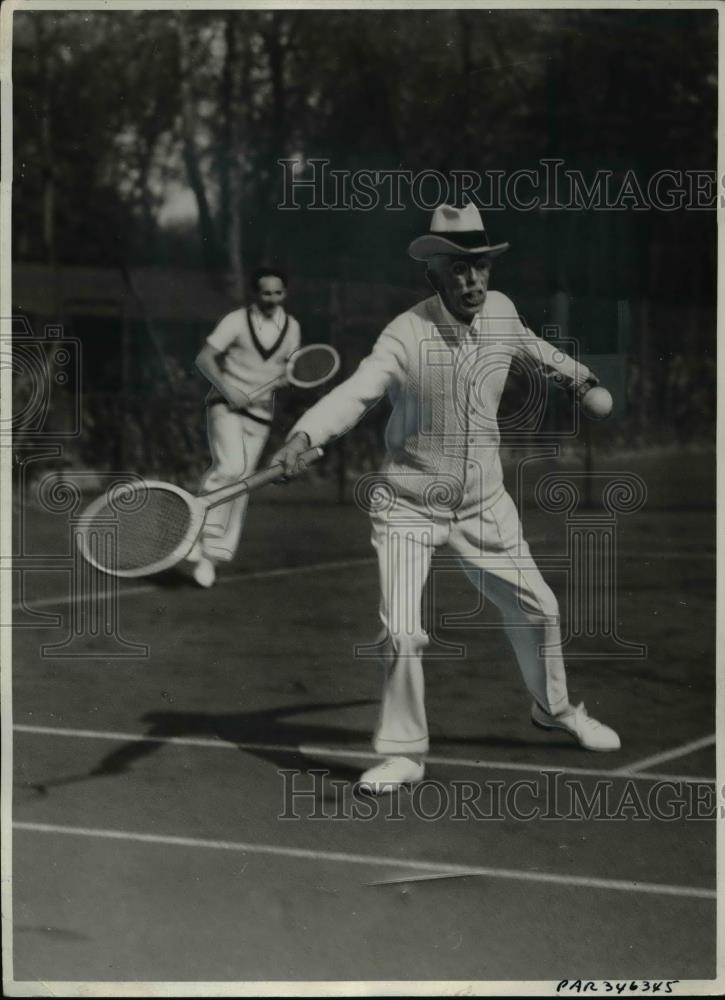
x=305, y=350
x=198, y=507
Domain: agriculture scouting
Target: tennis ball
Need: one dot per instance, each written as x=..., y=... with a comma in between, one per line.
x=597, y=403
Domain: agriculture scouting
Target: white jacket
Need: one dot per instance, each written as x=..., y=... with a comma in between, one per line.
x=445, y=382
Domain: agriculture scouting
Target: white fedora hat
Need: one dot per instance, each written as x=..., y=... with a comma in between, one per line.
x=455, y=230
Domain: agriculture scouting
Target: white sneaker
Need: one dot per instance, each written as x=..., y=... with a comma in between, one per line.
x=589, y=733
x=204, y=572
x=389, y=775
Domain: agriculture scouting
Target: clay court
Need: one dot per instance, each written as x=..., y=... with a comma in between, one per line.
x=148, y=844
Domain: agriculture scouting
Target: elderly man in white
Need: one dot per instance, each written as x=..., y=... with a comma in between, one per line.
x=443, y=363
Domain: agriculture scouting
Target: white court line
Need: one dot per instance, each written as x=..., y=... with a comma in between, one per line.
x=438, y=867
x=660, y=758
x=307, y=750
x=149, y=588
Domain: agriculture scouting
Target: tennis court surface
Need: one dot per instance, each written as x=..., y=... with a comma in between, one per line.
x=149, y=789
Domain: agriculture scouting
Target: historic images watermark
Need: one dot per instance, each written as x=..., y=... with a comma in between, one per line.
x=467, y=436
x=316, y=185
x=47, y=417
x=548, y=794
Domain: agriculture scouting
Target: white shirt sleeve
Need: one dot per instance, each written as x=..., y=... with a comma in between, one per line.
x=547, y=355
x=225, y=332
x=552, y=358
x=339, y=411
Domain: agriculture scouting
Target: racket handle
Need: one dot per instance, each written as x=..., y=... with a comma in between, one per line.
x=271, y=474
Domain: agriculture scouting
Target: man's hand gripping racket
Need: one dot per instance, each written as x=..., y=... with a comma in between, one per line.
x=307, y=368
x=291, y=456
x=136, y=529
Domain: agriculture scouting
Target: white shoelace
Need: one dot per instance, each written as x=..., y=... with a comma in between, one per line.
x=581, y=715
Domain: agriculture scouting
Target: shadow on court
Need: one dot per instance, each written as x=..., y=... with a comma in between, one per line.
x=195, y=913
x=266, y=728
x=275, y=736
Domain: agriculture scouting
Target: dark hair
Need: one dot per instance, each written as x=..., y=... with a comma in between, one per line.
x=266, y=272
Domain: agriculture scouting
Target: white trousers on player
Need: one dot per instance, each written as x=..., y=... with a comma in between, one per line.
x=492, y=552
x=236, y=442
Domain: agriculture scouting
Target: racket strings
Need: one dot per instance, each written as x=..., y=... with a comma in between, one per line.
x=314, y=364
x=149, y=530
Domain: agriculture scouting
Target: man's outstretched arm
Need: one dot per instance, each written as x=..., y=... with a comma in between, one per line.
x=556, y=363
x=342, y=408
x=563, y=370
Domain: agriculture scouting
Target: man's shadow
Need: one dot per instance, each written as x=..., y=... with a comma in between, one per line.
x=269, y=734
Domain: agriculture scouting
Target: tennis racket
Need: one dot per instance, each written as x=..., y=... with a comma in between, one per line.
x=136, y=529
x=312, y=365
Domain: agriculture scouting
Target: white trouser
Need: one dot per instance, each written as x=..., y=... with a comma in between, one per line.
x=236, y=442
x=493, y=554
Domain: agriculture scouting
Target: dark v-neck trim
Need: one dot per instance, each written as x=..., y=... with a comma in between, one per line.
x=265, y=352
